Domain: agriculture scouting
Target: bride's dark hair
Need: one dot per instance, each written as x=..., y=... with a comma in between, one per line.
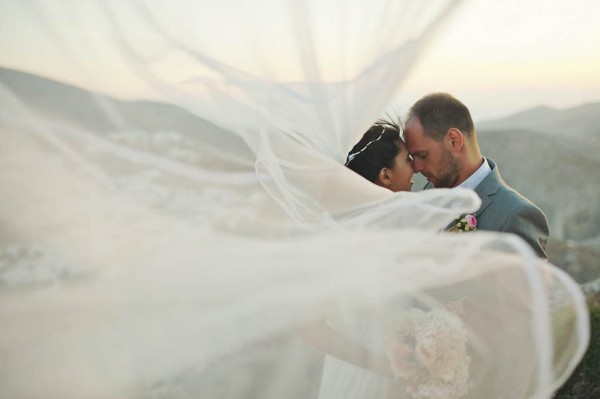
x=377, y=149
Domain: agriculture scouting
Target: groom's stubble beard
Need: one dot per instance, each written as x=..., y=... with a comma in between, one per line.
x=449, y=171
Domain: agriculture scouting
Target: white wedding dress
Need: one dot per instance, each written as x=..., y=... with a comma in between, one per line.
x=341, y=379
x=175, y=251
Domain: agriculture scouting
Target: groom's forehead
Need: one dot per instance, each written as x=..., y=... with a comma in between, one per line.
x=417, y=141
x=414, y=131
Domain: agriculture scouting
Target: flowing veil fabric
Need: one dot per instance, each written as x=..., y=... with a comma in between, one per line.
x=144, y=257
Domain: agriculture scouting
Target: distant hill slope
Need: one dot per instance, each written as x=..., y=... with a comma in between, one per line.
x=561, y=176
x=551, y=156
x=102, y=114
x=581, y=122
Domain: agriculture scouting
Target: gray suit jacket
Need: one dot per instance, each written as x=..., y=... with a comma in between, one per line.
x=503, y=209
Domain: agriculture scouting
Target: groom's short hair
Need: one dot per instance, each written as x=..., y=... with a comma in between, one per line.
x=439, y=112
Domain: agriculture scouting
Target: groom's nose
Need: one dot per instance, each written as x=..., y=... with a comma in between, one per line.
x=417, y=165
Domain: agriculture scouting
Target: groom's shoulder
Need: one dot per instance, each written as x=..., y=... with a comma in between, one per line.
x=513, y=199
x=505, y=193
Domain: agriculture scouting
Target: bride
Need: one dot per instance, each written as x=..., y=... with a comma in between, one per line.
x=351, y=369
x=363, y=357
x=174, y=249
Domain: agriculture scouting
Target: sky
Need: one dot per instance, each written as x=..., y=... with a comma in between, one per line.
x=499, y=57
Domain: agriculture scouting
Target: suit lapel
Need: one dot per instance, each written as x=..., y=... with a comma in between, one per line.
x=488, y=188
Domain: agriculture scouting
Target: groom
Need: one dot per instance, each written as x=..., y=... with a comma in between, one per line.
x=441, y=138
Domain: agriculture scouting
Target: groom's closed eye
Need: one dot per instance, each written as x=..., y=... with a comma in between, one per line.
x=421, y=155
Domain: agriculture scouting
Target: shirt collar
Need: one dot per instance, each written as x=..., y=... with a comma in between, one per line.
x=473, y=181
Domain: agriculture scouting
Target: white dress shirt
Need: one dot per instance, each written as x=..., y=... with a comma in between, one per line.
x=473, y=181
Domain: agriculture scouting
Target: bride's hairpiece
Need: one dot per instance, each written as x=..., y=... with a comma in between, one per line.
x=354, y=154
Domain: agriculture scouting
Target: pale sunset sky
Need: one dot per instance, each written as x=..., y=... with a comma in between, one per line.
x=499, y=57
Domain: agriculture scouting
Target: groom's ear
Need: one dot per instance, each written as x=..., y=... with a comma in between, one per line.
x=455, y=139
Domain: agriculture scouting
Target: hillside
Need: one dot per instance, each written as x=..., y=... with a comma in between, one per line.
x=139, y=121
x=561, y=177
x=581, y=122
x=551, y=156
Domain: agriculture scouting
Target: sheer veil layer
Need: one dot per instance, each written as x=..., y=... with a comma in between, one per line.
x=180, y=247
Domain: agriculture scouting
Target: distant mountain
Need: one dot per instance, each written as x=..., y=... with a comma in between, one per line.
x=553, y=158
x=561, y=176
x=101, y=114
x=581, y=122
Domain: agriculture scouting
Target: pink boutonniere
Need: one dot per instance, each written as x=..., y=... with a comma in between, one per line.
x=467, y=223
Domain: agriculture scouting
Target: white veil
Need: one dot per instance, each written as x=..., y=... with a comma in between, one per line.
x=179, y=249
